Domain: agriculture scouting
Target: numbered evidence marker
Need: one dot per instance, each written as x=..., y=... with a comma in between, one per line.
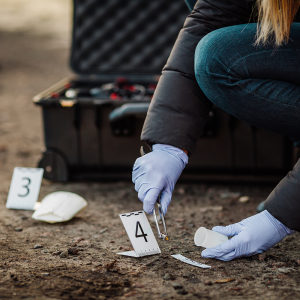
x=190, y=262
x=24, y=188
x=140, y=234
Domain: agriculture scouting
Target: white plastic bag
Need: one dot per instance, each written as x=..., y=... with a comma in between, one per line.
x=59, y=207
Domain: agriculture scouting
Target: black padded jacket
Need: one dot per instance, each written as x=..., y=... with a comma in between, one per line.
x=179, y=109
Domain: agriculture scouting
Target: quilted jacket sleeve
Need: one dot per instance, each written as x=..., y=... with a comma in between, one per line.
x=179, y=109
x=284, y=202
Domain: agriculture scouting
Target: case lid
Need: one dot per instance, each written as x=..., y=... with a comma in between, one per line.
x=124, y=37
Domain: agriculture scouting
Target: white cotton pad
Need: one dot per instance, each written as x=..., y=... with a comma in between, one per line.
x=59, y=207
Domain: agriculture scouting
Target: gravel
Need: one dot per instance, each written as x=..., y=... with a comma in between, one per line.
x=64, y=254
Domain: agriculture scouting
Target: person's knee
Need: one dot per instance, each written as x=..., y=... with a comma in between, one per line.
x=218, y=51
x=208, y=59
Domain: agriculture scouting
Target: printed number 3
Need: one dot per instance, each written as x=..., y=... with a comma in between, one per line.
x=26, y=186
x=140, y=235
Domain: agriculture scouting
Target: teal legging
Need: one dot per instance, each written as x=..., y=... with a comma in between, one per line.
x=257, y=84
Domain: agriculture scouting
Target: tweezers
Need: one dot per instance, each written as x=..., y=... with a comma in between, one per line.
x=161, y=235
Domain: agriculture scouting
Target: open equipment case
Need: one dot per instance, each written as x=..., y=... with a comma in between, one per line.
x=92, y=123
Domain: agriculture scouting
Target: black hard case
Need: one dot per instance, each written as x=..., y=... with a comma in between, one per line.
x=91, y=139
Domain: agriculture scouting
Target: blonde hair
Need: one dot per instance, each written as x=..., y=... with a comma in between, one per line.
x=274, y=20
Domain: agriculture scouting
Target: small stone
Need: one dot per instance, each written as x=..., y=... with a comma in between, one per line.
x=75, y=258
x=177, y=286
x=181, y=292
x=224, y=280
x=45, y=251
x=75, y=241
x=167, y=277
x=181, y=191
x=126, y=290
x=72, y=251
x=103, y=230
x=45, y=274
x=286, y=270
x=262, y=257
x=187, y=251
x=207, y=282
x=298, y=262
x=230, y=195
x=211, y=208
x=37, y=246
x=244, y=199
x=101, y=297
x=57, y=252
x=23, y=218
x=18, y=229
x=64, y=254
x=112, y=242
x=83, y=244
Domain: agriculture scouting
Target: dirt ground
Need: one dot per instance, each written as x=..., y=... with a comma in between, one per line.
x=30, y=63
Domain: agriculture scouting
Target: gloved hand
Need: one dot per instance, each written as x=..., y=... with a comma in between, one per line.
x=251, y=236
x=156, y=172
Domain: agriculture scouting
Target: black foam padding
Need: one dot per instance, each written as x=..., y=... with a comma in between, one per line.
x=125, y=36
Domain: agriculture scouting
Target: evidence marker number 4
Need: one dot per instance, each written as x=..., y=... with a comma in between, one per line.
x=140, y=234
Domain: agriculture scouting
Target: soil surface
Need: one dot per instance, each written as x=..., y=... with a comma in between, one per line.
x=31, y=263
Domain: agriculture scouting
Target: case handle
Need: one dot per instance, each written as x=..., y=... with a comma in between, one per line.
x=130, y=109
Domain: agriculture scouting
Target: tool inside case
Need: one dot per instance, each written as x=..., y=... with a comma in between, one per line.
x=119, y=90
x=119, y=48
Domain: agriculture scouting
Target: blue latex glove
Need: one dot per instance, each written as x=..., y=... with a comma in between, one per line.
x=251, y=236
x=156, y=172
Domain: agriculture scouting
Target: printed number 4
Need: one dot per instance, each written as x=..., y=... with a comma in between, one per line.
x=26, y=186
x=140, y=235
